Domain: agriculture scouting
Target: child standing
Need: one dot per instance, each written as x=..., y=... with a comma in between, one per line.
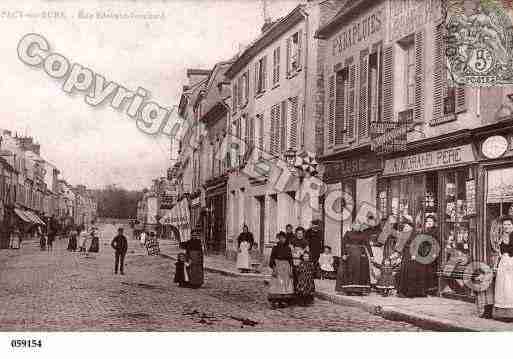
x=181, y=272
x=326, y=264
x=386, y=280
x=305, y=287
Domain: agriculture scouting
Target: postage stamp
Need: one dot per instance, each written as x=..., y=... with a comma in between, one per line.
x=479, y=42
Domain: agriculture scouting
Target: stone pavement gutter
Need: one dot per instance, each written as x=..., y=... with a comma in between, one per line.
x=432, y=313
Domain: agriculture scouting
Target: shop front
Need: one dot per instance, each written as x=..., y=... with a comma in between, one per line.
x=439, y=184
x=495, y=172
x=353, y=178
x=216, y=214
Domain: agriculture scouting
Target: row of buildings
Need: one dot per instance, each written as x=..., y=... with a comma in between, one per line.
x=32, y=191
x=352, y=96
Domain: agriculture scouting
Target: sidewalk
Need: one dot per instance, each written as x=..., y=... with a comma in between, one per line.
x=434, y=313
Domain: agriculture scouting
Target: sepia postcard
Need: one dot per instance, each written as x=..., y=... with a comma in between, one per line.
x=255, y=166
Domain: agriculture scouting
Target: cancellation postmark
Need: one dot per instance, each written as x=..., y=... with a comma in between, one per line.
x=479, y=42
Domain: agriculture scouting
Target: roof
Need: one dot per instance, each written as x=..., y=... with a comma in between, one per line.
x=346, y=12
x=267, y=38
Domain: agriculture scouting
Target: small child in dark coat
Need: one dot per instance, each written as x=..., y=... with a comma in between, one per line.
x=182, y=271
x=305, y=285
x=386, y=281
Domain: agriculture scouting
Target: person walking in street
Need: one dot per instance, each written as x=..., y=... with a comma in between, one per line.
x=120, y=246
x=84, y=237
x=281, y=289
x=42, y=238
x=289, y=233
x=354, y=279
x=50, y=238
x=245, y=244
x=305, y=287
x=194, y=251
x=142, y=238
x=95, y=238
x=414, y=274
x=15, y=238
x=182, y=271
x=72, y=242
x=314, y=238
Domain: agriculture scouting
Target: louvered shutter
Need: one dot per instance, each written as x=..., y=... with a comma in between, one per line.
x=338, y=91
x=277, y=127
x=246, y=132
x=283, y=127
x=299, y=48
x=273, y=142
x=256, y=78
x=264, y=73
x=234, y=96
x=439, y=84
x=351, y=106
x=293, y=122
x=461, y=102
x=388, y=84
x=278, y=50
x=331, y=110
x=363, y=112
x=418, y=110
x=247, y=87
x=288, y=56
x=260, y=133
x=252, y=132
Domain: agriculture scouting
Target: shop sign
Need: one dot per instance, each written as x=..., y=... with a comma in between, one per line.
x=351, y=167
x=409, y=15
x=428, y=161
x=494, y=147
x=358, y=31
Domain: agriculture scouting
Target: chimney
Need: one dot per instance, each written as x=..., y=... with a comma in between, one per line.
x=267, y=25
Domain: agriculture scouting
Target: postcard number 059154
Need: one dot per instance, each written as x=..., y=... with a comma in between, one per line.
x=26, y=343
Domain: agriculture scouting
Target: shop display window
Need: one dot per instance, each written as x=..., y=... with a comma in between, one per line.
x=499, y=204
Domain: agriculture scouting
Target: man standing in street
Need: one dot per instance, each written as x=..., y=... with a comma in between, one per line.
x=314, y=238
x=120, y=245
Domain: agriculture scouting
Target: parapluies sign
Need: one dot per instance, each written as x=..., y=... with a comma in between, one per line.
x=179, y=217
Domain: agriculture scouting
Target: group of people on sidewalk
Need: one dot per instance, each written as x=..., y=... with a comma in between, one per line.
x=409, y=262
x=295, y=261
x=79, y=239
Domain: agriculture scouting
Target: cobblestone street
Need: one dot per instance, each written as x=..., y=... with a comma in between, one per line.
x=63, y=291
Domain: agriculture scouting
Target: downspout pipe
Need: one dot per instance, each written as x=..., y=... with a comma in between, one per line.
x=305, y=98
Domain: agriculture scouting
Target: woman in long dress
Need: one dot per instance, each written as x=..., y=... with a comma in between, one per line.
x=503, y=307
x=281, y=289
x=245, y=243
x=194, y=253
x=356, y=253
x=72, y=242
x=414, y=275
x=95, y=239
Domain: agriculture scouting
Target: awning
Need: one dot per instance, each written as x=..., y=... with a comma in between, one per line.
x=22, y=215
x=29, y=217
x=34, y=218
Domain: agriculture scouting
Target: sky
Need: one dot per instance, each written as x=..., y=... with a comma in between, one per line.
x=97, y=146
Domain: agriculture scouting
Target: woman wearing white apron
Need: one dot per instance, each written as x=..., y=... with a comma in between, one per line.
x=245, y=242
x=503, y=307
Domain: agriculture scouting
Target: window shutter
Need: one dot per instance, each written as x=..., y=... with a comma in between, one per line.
x=247, y=87
x=331, y=111
x=299, y=48
x=272, y=146
x=264, y=72
x=278, y=65
x=260, y=134
x=363, y=113
x=283, y=127
x=256, y=78
x=438, y=76
x=246, y=132
x=461, y=103
x=418, y=110
x=234, y=96
x=337, y=95
x=252, y=132
x=388, y=84
x=293, y=122
x=288, y=56
x=350, y=118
